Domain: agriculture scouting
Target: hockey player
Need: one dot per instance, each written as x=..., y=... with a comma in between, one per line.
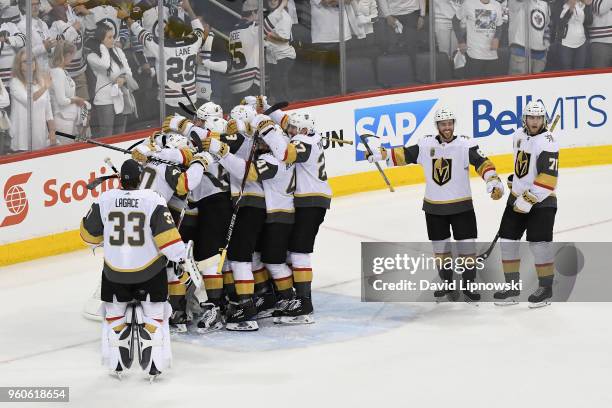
x=273, y=221
x=170, y=182
x=180, y=50
x=531, y=206
x=244, y=74
x=445, y=159
x=138, y=235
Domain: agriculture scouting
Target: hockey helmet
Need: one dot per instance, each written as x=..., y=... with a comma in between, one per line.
x=534, y=108
x=302, y=121
x=215, y=124
x=245, y=113
x=176, y=141
x=209, y=109
x=444, y=113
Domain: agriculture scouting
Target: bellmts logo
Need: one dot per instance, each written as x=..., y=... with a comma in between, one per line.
x=16, y=199
x=575, y=111
x=394, y=124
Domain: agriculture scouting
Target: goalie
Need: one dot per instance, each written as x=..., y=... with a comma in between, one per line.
x=138, y=235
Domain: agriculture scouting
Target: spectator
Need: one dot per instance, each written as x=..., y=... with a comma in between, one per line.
x=42, y=42
x=404, y=17
x=480, y=39
x=280, y=55
x=5, y=123
x=569, y=19
x=11, y=40
x=43, y=128
x=112, y=71
x=601, y=34
x=539, y=35
x=66, y=105
x=444, y=11
x=325, y=34
x=366, y=12
x=66, y=25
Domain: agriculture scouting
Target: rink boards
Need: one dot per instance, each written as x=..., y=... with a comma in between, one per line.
x=45, y=195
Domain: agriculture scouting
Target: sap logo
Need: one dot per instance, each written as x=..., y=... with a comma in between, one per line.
x=486, y=123
x=394, y=124
x=16, y=199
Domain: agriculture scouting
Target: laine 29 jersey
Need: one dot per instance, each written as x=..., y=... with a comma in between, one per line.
x=446, y=167
x=137, y=230
x=244, y=49
x=181, y=60
x=536, y=168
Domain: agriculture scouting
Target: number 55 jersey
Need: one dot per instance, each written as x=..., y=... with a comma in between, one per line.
x=244, y=50
x=137, y=232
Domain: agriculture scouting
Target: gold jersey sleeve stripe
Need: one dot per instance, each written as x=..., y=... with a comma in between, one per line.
x=398, y=156
x=290, y=154
x=546, y=181
x=87, y=237
x=167, y=238
x=252, y=176
x=484, y=167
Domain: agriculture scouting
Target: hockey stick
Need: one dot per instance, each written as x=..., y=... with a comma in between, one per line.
x=380, y=170
x=339, y=141
x=230, y=229
x=118, y=149
x=186, y=95
x=487, y=253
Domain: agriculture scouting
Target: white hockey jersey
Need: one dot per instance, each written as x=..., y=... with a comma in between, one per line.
x=601, y=29
x=181, y=60
x=312, y=188
x=8, y=50
x=253, y=195
x=137, y=232
x=203, y=81
x=539, y=22
x=536, y=168
x=106, y=14
x=446, y=168
x=150, y=22
x=244, y=49
x=62, y=30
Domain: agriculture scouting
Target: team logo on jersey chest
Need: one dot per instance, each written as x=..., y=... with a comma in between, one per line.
x=441, y=170
x=521, y=165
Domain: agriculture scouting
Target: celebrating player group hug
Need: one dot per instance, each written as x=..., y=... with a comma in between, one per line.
x=215, y=221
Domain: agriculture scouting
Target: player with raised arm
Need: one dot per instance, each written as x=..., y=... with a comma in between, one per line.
x=445, y=159
x=181, y=49
x=138, y=236
x=531, y=206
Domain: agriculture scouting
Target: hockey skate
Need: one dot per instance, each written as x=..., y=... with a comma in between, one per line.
x=451, y=295
x=179, y=321
x=471, y=297
x=540, y=298
x=265, y=305
x=298, y=311
x=212, y=319
x=506, y=297
x=241, y=316
x=279, y=308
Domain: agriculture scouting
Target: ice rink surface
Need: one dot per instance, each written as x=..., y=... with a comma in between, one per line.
x=357, y=354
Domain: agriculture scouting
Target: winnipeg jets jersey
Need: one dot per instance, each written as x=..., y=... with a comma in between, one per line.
x=181, y=60
x=150, y=22
x=537, y=23
x=137, y=232
x=312, y=188
x=446, y=168
x=106, y=14
x=536, y=168
x=8, y=50
x=62, y=30
x=244, y=49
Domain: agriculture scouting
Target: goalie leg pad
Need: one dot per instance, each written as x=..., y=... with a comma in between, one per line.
x=116, y=345
x=154, y=335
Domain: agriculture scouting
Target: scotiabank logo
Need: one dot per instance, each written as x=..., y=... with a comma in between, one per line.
x=16, y=199
x=66, y=192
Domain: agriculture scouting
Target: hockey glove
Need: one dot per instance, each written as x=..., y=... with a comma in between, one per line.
x=178, y=124
x=214, y=146
x=378, y=155
x=204, y=158
x=495, y=187
x=524, y=203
